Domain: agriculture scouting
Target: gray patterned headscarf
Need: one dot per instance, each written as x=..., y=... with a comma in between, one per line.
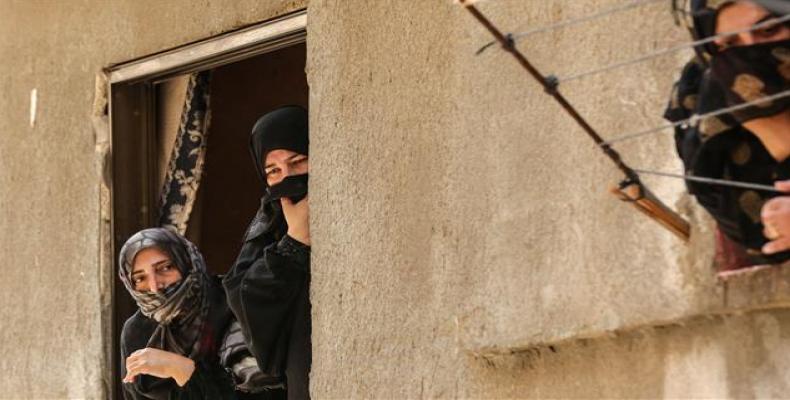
x=181, y=308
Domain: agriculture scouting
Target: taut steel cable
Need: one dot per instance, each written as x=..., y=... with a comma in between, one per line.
x=574, y=21
x=711, y=181
x=670, y=50
x=694, y=119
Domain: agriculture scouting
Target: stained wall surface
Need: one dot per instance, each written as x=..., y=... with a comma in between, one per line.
x=465, y=243
x=51, y=292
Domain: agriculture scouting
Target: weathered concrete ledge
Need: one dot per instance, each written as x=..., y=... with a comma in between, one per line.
x=758, y=288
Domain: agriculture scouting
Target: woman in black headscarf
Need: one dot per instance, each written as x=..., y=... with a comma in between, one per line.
x=728, y=71
x=268, y=288
x=183, y=342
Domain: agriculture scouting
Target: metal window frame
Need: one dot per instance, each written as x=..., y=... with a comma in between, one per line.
x=131, y=164
x=213, y=52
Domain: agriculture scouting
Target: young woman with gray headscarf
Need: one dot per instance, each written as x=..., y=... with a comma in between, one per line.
x=183, y=342
x=268, y=288
x=751, y=144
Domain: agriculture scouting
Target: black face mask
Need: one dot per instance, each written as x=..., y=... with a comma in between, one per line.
x=293, y=187
x=749, y=73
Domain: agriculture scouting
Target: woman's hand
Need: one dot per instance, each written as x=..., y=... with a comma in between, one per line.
x=775, y=216
x=159, y=363
x=297, y=217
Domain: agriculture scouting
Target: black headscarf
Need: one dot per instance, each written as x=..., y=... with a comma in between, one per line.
x=699, y=18
x=268, y=291
x=284, y=128
x=181, y=309
x=720, y=148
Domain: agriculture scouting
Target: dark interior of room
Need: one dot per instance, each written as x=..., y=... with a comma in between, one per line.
x=230, y=191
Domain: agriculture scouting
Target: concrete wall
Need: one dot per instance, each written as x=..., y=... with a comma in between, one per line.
x=464, y=241
x=51, y=332
x=465, y=244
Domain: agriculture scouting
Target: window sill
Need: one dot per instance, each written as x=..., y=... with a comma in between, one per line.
x=756, y=288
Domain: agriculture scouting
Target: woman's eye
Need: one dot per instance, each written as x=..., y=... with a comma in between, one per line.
x=164, y=268
x=767, y=31
x=272, y=171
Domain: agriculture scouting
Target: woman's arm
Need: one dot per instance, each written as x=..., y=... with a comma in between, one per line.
x=159, y=363
x=137, y=384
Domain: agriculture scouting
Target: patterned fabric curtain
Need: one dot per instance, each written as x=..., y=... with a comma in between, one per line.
x=186, y=161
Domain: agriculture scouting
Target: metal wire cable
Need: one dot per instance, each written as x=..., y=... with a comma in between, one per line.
x=695, y=119
x=573, y=21
x=711, y=181
x=662, y=52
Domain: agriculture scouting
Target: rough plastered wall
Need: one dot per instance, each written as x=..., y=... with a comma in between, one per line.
x=465, y=244
x=51, y=332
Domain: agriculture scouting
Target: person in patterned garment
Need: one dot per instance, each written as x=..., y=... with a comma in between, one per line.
x=183, y=342
x=750, y=144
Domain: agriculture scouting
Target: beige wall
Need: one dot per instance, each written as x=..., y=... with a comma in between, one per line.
x=50, y=336
x=458, y=216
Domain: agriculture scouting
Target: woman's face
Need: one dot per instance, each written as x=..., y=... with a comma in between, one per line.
x=153, y=271
x=281, y=163
x=742, y=15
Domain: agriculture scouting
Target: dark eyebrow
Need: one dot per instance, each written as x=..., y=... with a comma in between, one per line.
x=161, y=262
x=287, y=159
x=156, y=264
x=729, y=38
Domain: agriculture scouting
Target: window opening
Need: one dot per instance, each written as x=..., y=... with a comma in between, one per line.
x=252, y=71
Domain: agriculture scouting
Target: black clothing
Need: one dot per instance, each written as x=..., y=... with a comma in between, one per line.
x=753, y=74
x=284, y=128
x=720, y=148
x=293, y=187
x=700, y=17
x=268, y=290
x=235, y=356
x=209, y=380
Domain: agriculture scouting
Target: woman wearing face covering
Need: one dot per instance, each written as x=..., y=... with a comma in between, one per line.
x=751, y=144
x=183, y=342
x=268, y=287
